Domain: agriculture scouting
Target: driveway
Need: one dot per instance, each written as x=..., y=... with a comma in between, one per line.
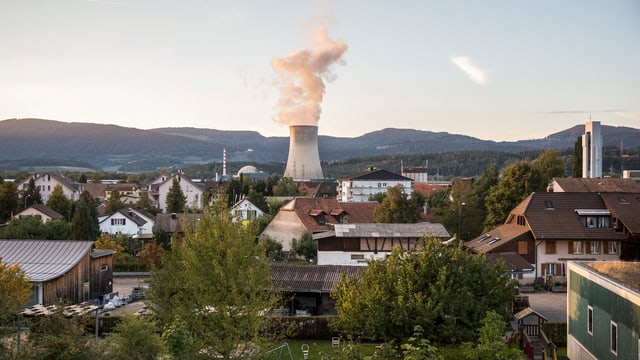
x=553, y=306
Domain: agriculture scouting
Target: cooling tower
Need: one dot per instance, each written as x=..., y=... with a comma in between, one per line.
x=304, y=161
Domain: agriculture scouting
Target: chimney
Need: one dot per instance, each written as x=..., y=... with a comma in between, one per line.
x=303, y=163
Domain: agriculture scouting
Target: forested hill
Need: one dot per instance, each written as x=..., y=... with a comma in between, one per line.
x=110, y=147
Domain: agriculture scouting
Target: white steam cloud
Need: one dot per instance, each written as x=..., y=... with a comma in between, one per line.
x=465, y=64
x=301, y=77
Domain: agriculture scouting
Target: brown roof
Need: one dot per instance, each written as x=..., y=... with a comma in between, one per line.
x=172, y=223
x=553, y=216
x=311, y=278
x=308, y=209
x=48, y=211
x=496, y=238
x=376, y=174
x=512, y=261
x=626, y=207
x=597, y=185
x=96, y=190
x=427, y=189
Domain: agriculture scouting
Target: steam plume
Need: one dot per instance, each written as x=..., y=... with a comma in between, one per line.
x=301, y=79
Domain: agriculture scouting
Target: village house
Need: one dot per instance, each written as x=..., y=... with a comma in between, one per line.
x=315, y=215
x=361, y=186
x=44, y=213
x=46, y=182
x=129, y=221
x=61, y=269
x=550, y=229
x=245, y=210
x=355, y=244
x=194, y=192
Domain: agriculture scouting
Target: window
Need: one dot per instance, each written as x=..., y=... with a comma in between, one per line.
x=595, y=247
x=590, y=320
x=550, y=247
x=550, y=269
x=118, y=221
x=548, y=205
x=596, y=222
x=578, y=247
x=613, y=247
x=523, y=247
x=252, y=214
x=614, y=338
x=104, y=267
x=357, y=256
x=485, y=237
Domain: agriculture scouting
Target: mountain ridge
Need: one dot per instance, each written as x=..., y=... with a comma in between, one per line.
x=115, y=147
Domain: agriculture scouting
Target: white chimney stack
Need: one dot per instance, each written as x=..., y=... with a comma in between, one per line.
x=303, y=163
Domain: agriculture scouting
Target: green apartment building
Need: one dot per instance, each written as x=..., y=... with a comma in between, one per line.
x=603, y=310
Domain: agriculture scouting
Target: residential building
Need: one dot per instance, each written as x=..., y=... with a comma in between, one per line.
x=129, y=221
x=361, y=186
x=41, y=211
x=549, y=229
x=600, y=185
x=603, y=307
x=315, y=215
x=60, y=269
x=355, y=244
x=193, y=192
x=47, y=181
x=245, y=210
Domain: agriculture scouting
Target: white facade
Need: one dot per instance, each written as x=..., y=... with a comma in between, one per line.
x=580, y=251
x=126, y=221
x=348, y=258
x=362, y=190
x=245, y=210
x=592, y=150
x=190, y=190
x=46, y=182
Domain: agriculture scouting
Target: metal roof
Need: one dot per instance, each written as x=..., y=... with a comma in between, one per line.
x=44, y=260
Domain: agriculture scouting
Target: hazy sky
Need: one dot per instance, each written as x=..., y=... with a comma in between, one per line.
x=497, y=70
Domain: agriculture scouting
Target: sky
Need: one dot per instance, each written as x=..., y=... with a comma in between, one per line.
x=496, y=70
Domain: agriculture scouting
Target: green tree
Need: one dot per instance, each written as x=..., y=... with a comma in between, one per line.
x=176, y=200
x=215, y=282
x=144, y=202
x=397, y=208
x=273, y=248
x=286, y=187
x=115, y=203
x=9, y=202
x=306, y=247
x=31, y=227
x=32, y=194
x=82, y=179
x=59, y=202
x=548, y=165
x=136, y=338
x=490, y=345
x=84, y=225
x=431, y=288
x=576, y=168
x=516, y=183
x=15, y=290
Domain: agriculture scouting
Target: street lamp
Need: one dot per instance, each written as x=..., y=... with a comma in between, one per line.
x=460, y=205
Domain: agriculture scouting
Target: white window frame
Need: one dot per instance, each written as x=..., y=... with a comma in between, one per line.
x=578, y=248
x=613, y=247
x=596, y=247
x=613, y=343
x=590, y=320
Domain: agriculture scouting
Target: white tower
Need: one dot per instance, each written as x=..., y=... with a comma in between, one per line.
x=592, y=150
x=304, y=161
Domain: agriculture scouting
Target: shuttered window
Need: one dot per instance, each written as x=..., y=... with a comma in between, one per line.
x=550, y=247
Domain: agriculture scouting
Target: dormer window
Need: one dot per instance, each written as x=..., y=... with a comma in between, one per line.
x=548, y=204
x=594, y=218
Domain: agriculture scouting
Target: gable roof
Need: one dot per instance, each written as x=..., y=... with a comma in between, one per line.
x=375, y=175
x=596, y=185
x=307, y=209
x=375, y=230
x=47, y=211
x=553, y=216
x=626, y=207
x=503, y=234
x=172, y=223
x=44, y=260
x=513, y=262
x=311, y=278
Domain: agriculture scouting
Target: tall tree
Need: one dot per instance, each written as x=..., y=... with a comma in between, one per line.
x=144, y=202
x=397, y=208
x=15, y=290
x=32, y=194
x=286, y=187
x=9, y=202
x=82, y=179
x=84, y=225
x=176, y=200
x=306, y=247
x=215, y=282
x=115, y=203
x=549, y=165
x=59, y=202
x=576, y=169
x=516, y=183
x=430, y=288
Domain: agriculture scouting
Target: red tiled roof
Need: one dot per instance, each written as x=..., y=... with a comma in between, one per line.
x=427, y=189
x=307, y=209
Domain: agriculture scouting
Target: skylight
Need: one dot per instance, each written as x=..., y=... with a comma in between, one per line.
x=485, y=237
x=548, y=204
x=493, y=241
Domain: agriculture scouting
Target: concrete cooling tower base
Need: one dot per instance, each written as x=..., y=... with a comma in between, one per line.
x=303, y=163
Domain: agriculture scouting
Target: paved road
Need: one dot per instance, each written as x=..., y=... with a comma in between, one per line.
x=553, y=306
